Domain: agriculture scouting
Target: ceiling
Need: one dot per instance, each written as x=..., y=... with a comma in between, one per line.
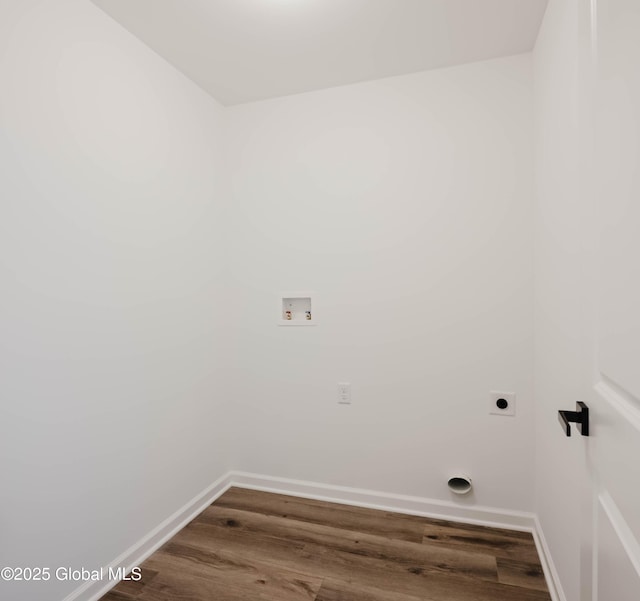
x=245, y=50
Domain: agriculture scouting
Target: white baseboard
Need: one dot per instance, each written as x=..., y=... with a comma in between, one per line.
x=420, y=506
x=550, y=572
x=138, y=552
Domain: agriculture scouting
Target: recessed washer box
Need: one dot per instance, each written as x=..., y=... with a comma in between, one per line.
x=297, y=309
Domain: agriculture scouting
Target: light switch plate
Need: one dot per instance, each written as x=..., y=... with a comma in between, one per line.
x=344, y=393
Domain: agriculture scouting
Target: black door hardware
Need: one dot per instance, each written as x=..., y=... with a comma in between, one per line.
x=579, y=417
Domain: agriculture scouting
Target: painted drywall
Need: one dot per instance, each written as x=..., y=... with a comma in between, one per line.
x=561, y=287
x=112, y=287
x=406, y=205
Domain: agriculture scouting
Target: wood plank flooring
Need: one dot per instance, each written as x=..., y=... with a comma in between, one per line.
x=255, y=545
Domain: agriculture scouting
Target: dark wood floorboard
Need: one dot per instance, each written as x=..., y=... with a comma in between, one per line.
x=338, y=590
x=244, y=526
x=115, y=595
x=255, y=545
x=521, y=574
x=128, y=590
x=507, y=544
x=383, y=523
x=194, y=574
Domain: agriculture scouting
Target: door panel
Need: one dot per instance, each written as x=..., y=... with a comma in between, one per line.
x=613, y=452
x=618, y=160
x=613, y=456
x=615, y=567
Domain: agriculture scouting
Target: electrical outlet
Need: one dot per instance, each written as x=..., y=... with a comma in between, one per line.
x=502, y=403
x=344, y=393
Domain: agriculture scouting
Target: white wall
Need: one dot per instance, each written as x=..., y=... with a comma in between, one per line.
x=406, y=204
x=138, y=322
x=562, y=226
x=112, y=289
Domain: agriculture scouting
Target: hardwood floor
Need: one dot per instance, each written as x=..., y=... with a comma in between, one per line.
x=255, y=545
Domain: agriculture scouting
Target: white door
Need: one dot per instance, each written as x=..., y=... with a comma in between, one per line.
x=611, y=562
